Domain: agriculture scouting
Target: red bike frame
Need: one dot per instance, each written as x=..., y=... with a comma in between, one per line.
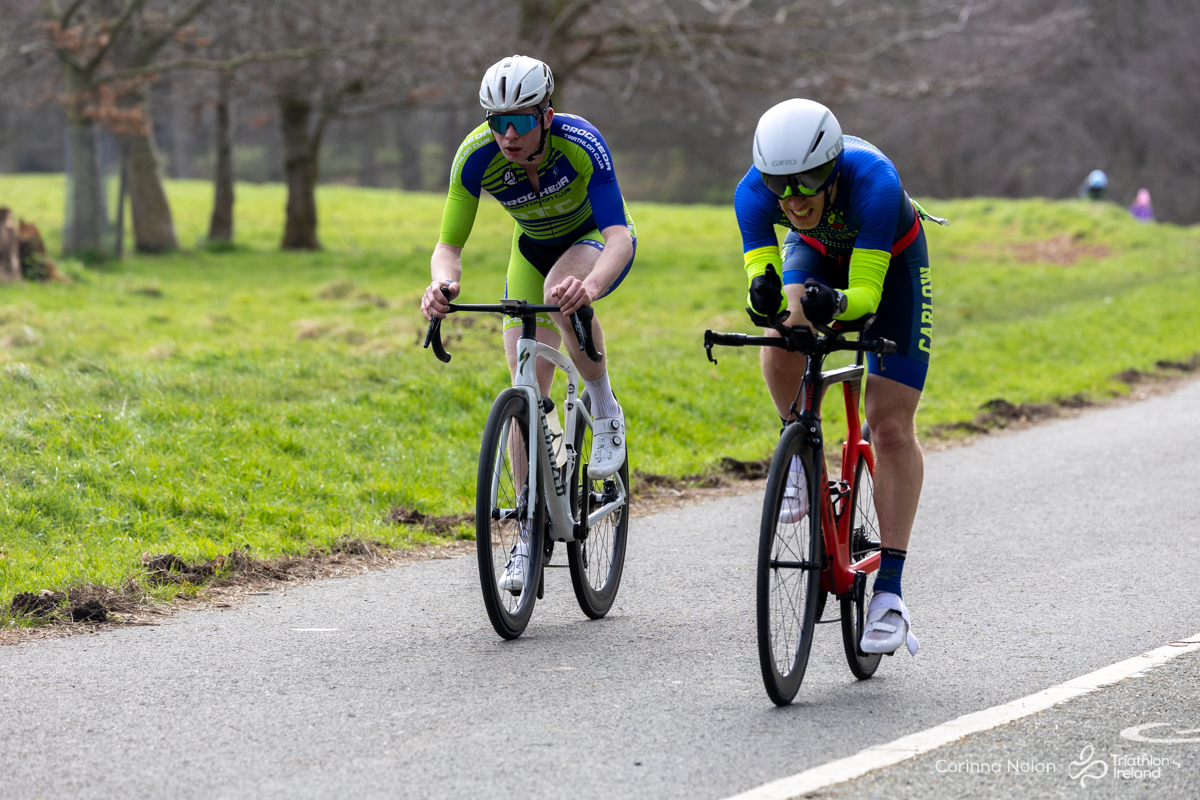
x=837, y=576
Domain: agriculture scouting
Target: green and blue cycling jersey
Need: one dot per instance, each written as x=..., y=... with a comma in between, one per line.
x=579, y=191
x=579, y=197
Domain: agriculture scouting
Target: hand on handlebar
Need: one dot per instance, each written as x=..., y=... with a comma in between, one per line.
x=766, y=293
x=571, y=295
x=434, y=303
x=821, y=303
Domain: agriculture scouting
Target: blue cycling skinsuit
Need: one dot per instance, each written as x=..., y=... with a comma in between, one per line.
x=868, y=242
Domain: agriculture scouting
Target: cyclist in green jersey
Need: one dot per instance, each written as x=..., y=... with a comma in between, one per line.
x=574, y=240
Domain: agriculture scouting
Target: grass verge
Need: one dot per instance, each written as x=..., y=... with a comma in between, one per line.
x=206, y=401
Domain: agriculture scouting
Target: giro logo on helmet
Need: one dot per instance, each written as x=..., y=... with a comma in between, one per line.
x=783, y=161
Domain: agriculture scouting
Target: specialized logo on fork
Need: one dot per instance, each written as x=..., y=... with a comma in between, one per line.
x=521, y=359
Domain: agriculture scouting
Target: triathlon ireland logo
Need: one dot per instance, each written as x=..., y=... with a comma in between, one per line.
x=1087, y=768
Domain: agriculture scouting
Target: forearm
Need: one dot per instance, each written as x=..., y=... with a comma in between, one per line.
x=446, y=264
x=618, y=249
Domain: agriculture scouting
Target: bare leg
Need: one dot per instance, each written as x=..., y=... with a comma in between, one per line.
x=899, y=466
x=578, y=262
x=782, y=370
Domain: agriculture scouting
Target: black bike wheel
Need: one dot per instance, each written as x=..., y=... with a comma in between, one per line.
x=864, y=539
x=506, y=510
x=789, y=571
x=597, y=562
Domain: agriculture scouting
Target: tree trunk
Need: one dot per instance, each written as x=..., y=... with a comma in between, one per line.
x=10, y=247
x=85, y=218
x=368, y=170
x=300, y=169
x=181, y=136
x=153, y=227
x=220, y=228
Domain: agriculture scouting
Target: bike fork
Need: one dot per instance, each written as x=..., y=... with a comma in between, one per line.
x=860, y=594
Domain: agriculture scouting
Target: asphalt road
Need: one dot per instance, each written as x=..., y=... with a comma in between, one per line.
x=1138, y=739
x=1038, y=557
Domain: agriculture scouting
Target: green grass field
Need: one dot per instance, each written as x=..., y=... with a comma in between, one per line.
x=203, y=401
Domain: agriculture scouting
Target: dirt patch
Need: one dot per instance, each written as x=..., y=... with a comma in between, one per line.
x=428, y=522
x=1062, y=250
x=999, y=413
x=40, y=604
x=234, y=577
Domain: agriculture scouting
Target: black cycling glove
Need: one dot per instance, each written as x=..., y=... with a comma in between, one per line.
x=766, y=293
x=821, y=303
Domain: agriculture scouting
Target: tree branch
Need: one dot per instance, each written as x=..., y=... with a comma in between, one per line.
x=152, y=45
x=250, y=56
x=115, y=27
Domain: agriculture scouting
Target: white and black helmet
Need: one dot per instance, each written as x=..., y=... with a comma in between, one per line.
x=515, y=82
x=796, y=136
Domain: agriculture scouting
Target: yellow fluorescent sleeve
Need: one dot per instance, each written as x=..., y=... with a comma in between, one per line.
x=757, y=260
x=865, y=288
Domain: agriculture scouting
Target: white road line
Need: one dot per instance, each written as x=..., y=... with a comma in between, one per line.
x=312, y=630
x=906, y=747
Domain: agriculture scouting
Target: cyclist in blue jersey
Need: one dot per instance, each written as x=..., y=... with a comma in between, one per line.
x=573, y=242
x=856, y=236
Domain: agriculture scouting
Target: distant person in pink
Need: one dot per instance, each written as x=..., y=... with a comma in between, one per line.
x=1141, y=208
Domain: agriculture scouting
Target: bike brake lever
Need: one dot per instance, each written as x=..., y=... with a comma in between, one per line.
x=434, y=334
x=708, y=345
x=584, y=314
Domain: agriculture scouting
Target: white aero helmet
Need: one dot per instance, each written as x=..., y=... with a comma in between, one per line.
x=515, y=82
x=796, y=136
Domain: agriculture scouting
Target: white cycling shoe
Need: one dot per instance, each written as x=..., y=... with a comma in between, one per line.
x=513, y=579
x=608, y=446
x=795, y=497
x=887, y=625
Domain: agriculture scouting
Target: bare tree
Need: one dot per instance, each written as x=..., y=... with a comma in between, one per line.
x=365, y=55
x=688, y=58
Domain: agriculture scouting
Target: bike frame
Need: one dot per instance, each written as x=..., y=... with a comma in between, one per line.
x=554, y=481
x=838, y=573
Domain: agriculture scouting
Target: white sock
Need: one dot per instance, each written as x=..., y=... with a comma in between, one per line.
x=603, y=402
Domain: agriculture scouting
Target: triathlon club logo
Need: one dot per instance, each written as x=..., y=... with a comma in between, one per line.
x=1087, y=767
x=509, y=177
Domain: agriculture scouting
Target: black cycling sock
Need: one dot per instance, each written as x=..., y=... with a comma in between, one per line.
x=891, y=566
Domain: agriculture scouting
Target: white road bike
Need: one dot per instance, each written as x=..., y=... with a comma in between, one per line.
x=516, y=528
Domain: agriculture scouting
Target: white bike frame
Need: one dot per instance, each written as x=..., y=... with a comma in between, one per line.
x=555, y=481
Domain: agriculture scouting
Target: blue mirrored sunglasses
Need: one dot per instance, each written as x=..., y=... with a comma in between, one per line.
x=522, y=123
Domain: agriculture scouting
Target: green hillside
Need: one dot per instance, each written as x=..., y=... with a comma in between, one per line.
x=202, y=401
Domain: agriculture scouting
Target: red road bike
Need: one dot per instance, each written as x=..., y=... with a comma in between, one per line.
x=804, y=555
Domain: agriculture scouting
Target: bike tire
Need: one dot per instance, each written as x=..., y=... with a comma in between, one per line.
x=598, y=561
x=864, y=537
x=505, y=460
x=787, y=597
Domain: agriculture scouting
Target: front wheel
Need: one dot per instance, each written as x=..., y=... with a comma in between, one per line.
x=509, y=517
x=789, y=567
x=864, y=540
x=597, y=561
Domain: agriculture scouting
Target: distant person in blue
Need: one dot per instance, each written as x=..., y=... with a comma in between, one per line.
x=1142, y=209
x=855, y=235
x=1095, y=186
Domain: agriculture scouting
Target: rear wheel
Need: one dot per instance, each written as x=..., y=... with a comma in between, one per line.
x=864, y=540
x=509, y=517
x=597, y=561
x=789, y=570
